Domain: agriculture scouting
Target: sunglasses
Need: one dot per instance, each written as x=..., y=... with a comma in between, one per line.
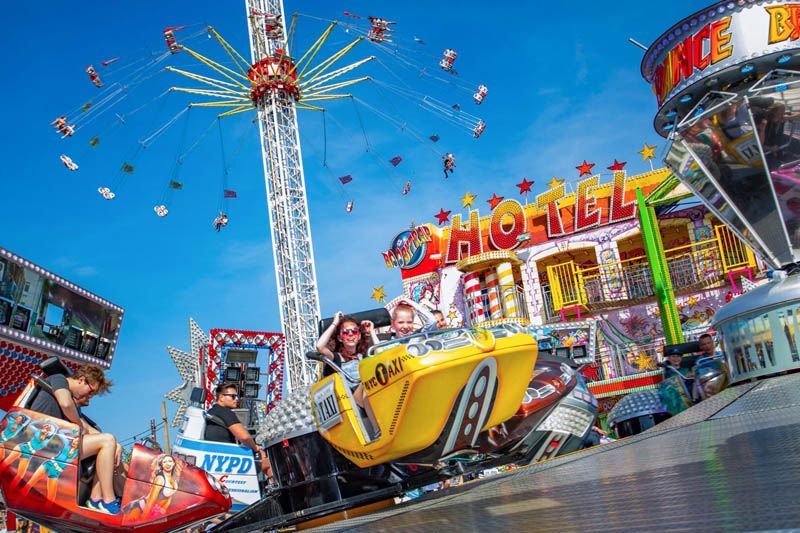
x=234, y=396
x=350, y=331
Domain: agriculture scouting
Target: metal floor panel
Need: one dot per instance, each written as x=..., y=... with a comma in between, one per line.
x=702, y=470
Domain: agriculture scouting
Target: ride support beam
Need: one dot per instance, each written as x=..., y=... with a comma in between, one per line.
x=659, y=269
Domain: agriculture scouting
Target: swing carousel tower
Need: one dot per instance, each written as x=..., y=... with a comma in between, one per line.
x=290, y=227
x=275, y=85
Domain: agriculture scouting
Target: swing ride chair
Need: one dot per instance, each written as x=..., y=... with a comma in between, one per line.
x=58, y=499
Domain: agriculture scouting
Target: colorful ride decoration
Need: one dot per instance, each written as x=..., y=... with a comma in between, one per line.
x=731, y=113
x=581, y=255
x=576, y=341
x=203, y=367
x=39, y=477
x=42, y=315
x=626, y=384
x=223, y=339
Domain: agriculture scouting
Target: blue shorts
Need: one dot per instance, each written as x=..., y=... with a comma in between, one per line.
x=53, y=469
x=26, y=450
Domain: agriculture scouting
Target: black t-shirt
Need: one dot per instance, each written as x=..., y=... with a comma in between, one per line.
x=327, y=370
x=216, y=433
x=47, y=404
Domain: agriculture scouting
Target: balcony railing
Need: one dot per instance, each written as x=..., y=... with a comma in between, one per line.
x=692, y=266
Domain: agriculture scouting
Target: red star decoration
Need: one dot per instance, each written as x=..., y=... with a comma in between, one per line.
x=585, y=169
x=525, y=186
x=443, y=216
x=494, y=200
x=617, y=165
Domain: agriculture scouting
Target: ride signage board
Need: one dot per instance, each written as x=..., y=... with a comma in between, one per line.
x=709, y=43
x=555, y=213
x=408, y=248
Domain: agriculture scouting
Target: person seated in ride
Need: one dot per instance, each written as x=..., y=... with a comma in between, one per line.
x=227, y=399
x=441, y=323
x=707, y=347
x=403, y=318
x=352, y=342
x=85, y=382
x=673, y=363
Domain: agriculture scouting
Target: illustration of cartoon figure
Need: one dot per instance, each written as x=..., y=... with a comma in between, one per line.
x=43, y=433
x=55, y=466
x=15, y=423
x=165, y=473
x=454, y=318
x=425, y=295
x=574, y=337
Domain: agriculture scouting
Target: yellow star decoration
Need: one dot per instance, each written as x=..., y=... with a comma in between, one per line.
x=644, y=361
x=378, y=294
x=691, y=300
x=648, y=152
x=467, y=199
x=555, y=182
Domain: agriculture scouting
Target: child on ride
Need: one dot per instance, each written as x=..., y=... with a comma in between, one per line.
x=349, y=344
x=403, y=317
x=352, y=340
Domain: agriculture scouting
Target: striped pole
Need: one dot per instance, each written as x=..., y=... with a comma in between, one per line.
x=472, y=290
x=495, y=310
x=505, y=275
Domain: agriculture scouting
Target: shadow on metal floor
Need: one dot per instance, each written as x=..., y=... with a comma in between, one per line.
x=729, y=463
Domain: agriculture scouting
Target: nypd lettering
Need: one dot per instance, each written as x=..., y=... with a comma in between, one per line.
x=226, y=464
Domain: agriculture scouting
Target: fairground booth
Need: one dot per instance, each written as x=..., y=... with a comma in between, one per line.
x=607, y=269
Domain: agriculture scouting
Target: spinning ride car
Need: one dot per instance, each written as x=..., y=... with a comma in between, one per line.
x=432, y=394
x=31, y=441
x=446, y=402
x=695, y=379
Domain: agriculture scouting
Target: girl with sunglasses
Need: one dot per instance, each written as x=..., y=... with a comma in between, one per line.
x=345, y=342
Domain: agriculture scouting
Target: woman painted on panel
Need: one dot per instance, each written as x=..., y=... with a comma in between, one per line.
x=166, y=472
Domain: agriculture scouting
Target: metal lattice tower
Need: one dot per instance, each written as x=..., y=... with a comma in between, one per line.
x=275, y=85
x=290, y=227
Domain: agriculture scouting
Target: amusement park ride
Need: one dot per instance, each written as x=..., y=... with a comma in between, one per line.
x=497, y=388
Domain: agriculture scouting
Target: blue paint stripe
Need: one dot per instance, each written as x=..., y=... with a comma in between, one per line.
x=214, y=447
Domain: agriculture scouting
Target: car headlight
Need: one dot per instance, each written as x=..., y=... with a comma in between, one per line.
x=418, y=349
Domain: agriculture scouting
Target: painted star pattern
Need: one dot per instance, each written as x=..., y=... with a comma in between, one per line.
x=494, y=200
x=648, y=152
x=617, y=166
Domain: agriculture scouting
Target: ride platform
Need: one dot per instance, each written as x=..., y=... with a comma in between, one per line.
x=731, y=462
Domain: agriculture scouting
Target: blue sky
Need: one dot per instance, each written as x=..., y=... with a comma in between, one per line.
x=564, y=86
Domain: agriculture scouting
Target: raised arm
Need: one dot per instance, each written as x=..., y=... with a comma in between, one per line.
x=424, y=314
x=327, y=335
